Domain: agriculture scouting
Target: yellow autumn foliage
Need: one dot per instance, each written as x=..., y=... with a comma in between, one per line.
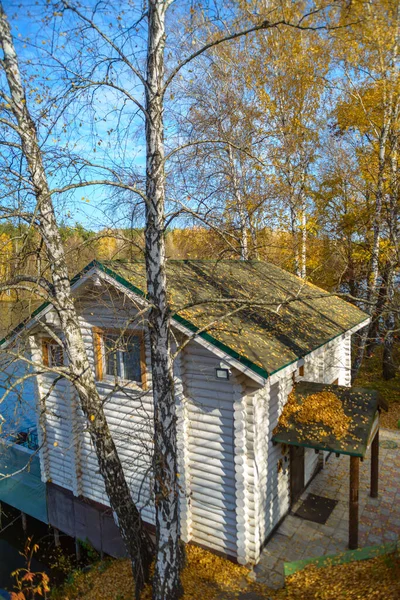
x=209, y=577
x=107, y=247
x=320, y=409
x=6, y=254
x=206, y=577
x=374, y=579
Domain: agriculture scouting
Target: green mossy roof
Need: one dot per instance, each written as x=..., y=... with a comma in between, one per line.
x=257, y=313
x=262, y=315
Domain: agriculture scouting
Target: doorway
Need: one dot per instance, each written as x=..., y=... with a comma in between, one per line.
x=296, y=473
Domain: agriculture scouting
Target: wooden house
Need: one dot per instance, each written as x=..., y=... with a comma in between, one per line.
x=247, y=332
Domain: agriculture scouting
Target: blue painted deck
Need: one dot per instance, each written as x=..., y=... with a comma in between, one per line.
x=24, y=490
x=18, y=408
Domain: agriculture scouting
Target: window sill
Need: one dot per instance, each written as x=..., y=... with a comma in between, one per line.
x=122, y=383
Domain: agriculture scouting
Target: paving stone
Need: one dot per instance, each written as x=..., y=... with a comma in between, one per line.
x=289, y=527
x=333, y=522
x=267, y=563
x=340, y=536
x=374, y=539
x=299, y=539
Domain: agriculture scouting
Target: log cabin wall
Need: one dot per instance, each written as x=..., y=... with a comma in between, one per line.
x=270, y=493
x=210, y=462
x=234, y=484
x=207, y=420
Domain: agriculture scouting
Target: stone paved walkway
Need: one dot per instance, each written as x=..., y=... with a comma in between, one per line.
x=298, y=539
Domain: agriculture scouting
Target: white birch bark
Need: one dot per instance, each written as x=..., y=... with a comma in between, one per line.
x=294, y=230
x=390, y=111
x=388, y=364
x=244, y=246
x=303, y=228
x=129, y=520
x=166, y=581
x=373, y=278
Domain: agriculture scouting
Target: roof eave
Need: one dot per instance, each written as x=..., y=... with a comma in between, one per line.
x=44, y=308
x=226, y=353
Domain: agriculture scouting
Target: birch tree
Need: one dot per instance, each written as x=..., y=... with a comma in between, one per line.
x=166, y=579
x=393, y=220
x=58, y=290
x=290, y=87
x=221, y=167
x=146, y=97
x=369, y=58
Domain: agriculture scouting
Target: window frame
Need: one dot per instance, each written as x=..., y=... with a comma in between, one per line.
x=100, y=355
x=46, y=355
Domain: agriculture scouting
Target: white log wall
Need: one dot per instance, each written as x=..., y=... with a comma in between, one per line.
x=269, y=465
x=234, y=484
x=209, y=476
x=211, y=432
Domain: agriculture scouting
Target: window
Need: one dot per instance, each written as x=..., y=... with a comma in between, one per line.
x=120, y=356
x=53, y=355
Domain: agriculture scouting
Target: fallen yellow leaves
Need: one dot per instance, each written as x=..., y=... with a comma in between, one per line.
x=210, y=577
x=374, y=579
x=321, y=408
x=206, y=577
x=391, y=419
x=108, y=580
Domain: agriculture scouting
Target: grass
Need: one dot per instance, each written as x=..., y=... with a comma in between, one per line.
x=371, y=376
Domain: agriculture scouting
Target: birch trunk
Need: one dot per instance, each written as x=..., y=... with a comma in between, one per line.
x=388, y=365
x=375, y=252
x=293, y=226
x=390, y=114
x=244, y=244
x=136, y=540
x=303, y=269
x=166, y=581
x=254, y=241
x=382, y=298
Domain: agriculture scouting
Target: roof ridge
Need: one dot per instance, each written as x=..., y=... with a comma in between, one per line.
x=243, y=341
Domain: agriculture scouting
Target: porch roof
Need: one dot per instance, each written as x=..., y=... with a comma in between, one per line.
x=360, y=407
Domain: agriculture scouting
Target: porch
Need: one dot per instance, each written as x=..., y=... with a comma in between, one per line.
x=379, y=518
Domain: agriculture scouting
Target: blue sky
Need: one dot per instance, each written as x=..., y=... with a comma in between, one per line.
x=100, y=126
x=108, y=132
x=101, y=134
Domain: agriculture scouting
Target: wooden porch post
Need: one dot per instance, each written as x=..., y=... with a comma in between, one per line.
x=353, y=505
x=375, y=465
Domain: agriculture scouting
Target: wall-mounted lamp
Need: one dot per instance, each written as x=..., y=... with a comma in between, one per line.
x=222, y=373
